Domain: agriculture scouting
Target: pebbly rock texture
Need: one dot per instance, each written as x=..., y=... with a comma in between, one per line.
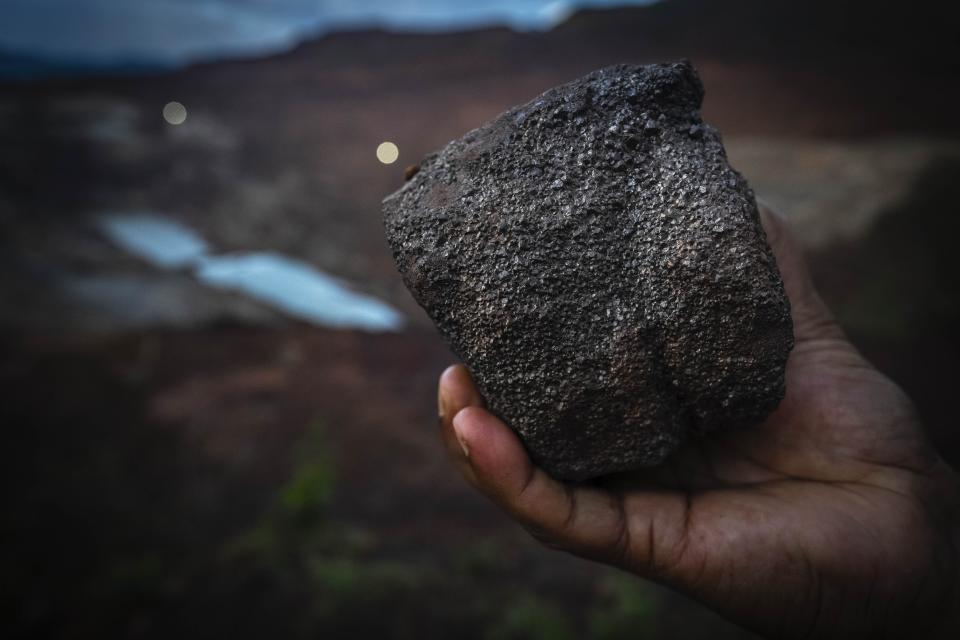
x=601, y=270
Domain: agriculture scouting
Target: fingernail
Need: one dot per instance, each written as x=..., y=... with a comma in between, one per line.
x=442, y=402
x=463, y=446
x=460, y=439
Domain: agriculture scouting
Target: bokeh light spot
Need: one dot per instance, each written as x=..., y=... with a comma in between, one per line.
x=387, y=153
x=174, y=113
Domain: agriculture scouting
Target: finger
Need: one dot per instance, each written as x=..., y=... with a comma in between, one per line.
x=455, y=392
x=583, y=520
x=812, y=319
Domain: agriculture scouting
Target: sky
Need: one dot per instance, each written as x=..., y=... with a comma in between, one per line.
x=178, y=31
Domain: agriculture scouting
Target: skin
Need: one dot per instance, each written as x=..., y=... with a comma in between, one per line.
x=834, y=518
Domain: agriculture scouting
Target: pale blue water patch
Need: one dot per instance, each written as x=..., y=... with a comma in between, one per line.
x=287, y=284
x=160, y=241
x=298, y=289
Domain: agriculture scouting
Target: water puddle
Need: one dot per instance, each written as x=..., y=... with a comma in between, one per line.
x=160, y=241
x=294, y=287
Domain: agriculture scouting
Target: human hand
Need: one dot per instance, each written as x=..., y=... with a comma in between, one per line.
x=834, y=518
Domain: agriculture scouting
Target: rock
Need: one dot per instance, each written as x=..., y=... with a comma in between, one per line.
x=602, y=271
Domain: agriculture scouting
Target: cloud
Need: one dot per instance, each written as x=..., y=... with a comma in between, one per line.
x=180, y=30
x=172, y=30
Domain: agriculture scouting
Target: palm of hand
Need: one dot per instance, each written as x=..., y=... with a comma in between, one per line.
x=830, y=511
x=835, y=517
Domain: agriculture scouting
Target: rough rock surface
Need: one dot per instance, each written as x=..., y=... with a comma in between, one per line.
x=602, y=271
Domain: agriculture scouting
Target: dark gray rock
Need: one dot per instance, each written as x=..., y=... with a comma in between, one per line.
x=601, y=270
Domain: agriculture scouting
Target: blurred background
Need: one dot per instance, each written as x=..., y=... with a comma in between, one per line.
x=217, y=397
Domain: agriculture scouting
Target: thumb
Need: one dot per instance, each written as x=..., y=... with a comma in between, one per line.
x=579, y=519
x=643, y=530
